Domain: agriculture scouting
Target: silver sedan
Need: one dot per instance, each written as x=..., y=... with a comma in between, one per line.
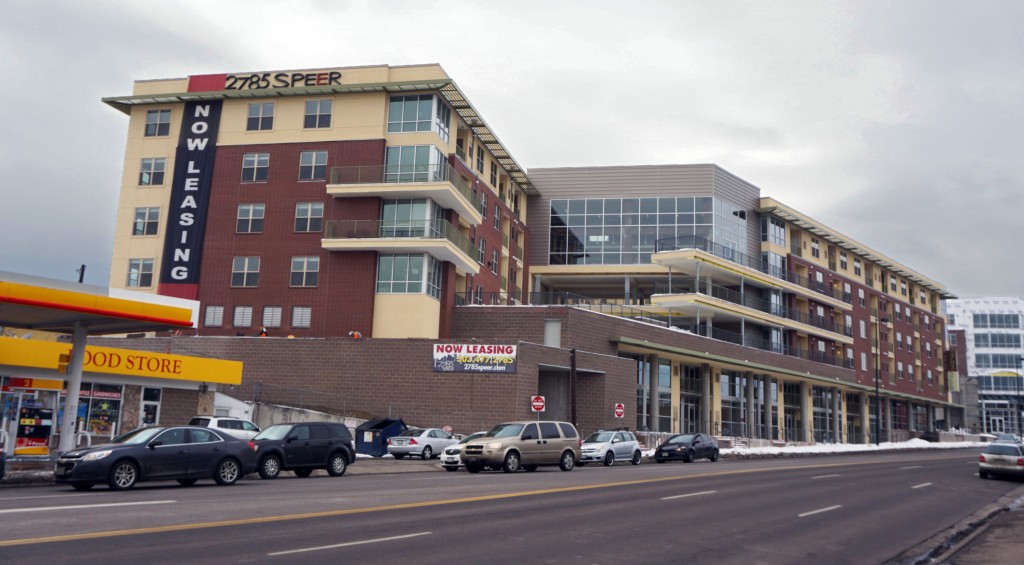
x=425, y=443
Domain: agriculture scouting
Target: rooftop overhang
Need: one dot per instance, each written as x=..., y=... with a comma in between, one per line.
x=447, y=87
x=57, y=306
x=770, y=206
x=441, y=249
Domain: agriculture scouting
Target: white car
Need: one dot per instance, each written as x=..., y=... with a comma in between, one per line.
x=607, y=447
x=422, y=442
x=450, y=458
x=237, y=427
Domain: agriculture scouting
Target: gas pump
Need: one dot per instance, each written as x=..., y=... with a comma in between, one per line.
x=29, y=414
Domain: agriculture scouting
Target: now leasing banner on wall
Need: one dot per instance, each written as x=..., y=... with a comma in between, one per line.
x=474, y=358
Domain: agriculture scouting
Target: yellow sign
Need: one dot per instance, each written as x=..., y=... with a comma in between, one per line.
x=128, y=362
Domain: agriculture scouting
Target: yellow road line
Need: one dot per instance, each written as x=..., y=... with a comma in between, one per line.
x=350, y=511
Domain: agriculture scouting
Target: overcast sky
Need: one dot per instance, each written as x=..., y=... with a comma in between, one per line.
x=900, y=124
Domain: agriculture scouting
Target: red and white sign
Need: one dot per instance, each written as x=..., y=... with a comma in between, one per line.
x=620, y=410
x=537, y=403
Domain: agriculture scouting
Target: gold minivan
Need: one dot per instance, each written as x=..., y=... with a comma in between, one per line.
x=524, y=445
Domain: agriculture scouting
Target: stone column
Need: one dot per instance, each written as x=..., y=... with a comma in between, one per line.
x=767, y=407
x=837, y=417
x=705, y=399
x=888, y=420
x=806, y=413
x=865, y=419
x=750, y=414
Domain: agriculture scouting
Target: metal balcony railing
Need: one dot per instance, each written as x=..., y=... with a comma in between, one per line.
x=417, y=229
x=404, y=174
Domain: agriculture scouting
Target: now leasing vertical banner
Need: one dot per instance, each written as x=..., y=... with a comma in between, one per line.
x=190, y=197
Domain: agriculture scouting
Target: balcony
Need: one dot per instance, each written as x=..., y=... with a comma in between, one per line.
x=438, y=238
x=440, y=183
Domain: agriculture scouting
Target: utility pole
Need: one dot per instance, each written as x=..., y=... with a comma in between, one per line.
x=81, y=273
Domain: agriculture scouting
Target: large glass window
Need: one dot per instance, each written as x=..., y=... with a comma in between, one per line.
x=414, y=163
x=1005, y=321
x=410, y=113
x=1002, y=341
x=409, y=273
x=408, y=217
x=997, y=361
x=773, y=230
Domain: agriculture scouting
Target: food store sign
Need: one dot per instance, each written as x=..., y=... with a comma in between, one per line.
x=474, y=358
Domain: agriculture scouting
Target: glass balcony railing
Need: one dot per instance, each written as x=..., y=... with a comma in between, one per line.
x=731, y=254
x=405, y=174
x=422, y=229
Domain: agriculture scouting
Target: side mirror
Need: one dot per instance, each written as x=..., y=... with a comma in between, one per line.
x=155, y=444
x=292, y=438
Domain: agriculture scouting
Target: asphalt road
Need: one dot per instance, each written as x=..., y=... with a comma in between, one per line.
x=844, y=509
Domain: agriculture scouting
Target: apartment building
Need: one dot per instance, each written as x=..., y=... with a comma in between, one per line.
x=317, y=203
x=987, y=333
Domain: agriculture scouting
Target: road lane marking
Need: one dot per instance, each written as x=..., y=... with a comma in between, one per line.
x=819, y=511
x=686, y=495
x=50, y=496
x=826, y=476
x=911, y=467
x=443, y=502
x=378, y=540
x=79, y=506
x=922, y=485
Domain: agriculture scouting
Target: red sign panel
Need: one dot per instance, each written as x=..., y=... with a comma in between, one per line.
x=620, y=410
x=537, y=403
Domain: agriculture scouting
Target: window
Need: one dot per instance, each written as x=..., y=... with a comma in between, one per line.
x=250, y=218
x=313, y=165
x=255, y=166
x=214, y=317
x=863, y=329
x=480, y=159
x=245, y=271
x=261, y=116
x=404, y=274
x=899, y=369
x=483, y=204
x=815, y=248
x=860, y=296
x=146, y=221
x=899, y=311
x=318, y=114
x=494, y=260
x=892, y=283
x=309, y=216
x=903, y=288
x=856, y=266
x=863, y=361
x=842, y=260
x=952, y=339
x=1002, y=341
x=414, y=163
x=481, y=250
x=305, y=271
x=773, y=230
x=152, y=171
x=243, y=317
x=301, y=316
x=497, y=217
x=494, y=175
x=910, y=343
x=272, y=316
x=410, y=113
x=899, y=340
x=1005, y=321
x=140, y=273
x=158, y=123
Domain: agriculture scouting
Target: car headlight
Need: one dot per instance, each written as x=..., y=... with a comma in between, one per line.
x=97, y=455
x=494, y=445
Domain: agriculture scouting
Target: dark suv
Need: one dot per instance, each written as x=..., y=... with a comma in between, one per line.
x=303, y=447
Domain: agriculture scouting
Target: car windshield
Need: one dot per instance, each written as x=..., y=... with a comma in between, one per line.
x=471, y=437
x=599, y=437
x=680, y=439
x=141, y=435
x=412, y=432
x=277, y=431
x=505, y=430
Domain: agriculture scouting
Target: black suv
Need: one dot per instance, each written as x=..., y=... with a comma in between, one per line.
x=303, y=447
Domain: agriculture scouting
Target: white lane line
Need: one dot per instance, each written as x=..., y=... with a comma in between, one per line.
x=109, y=505
x=922, y=485
x=826, y=476
x=96, y=494
x=819, y=511
x=348, y=544
x=686, y=495
x=911, y=467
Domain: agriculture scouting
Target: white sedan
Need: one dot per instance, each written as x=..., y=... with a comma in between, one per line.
x=450, y=458
x=424, y=443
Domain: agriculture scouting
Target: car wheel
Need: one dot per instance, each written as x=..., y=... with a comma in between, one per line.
x=123, y=475
x=303, y=473
x=427, y=453
x=399, y=456
x=636, y=458
x=530, y=468
x=337, y=466
x=82, y=486
x=474, y=468
x=688, y=456
x=982, y=474
x=568, y=461
x=511, y=464
x=609, y=459
x=451, y=469
x=714, y=456
x=228, y=472
x=187, y=482
x=270, y=467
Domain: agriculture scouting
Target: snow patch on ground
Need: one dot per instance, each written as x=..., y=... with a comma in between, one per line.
x=826, y=448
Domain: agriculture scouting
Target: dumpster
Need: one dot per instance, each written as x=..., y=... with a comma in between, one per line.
x=372, y=435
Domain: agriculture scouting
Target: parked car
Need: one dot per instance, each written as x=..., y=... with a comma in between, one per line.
x=687, y=448
x=450, y=459
x=304, y=447
x=1002, y=459
x=422, y=442
x=524, y=445
x=242, y=429
x=3, y=463
x=609, y=447
x=1007, y=438
x=158, y=453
